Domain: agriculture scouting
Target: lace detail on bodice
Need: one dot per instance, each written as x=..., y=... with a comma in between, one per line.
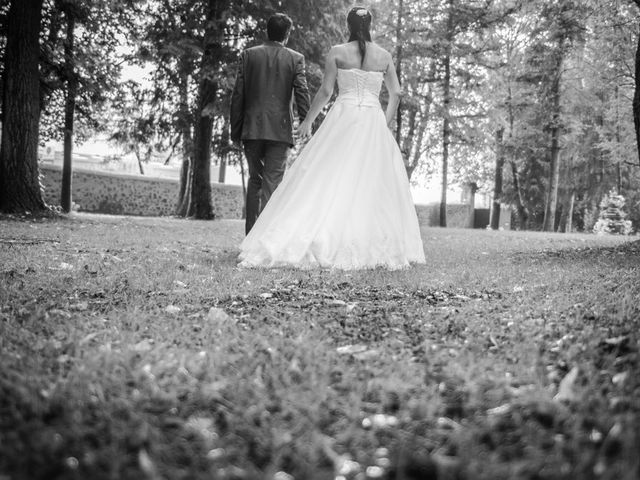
x=359, y=87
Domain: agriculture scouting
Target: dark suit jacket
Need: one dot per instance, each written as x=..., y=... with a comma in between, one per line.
x=269, y=77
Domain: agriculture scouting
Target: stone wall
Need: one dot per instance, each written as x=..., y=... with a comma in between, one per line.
x=458, y=215
x=125, y=194
x=122, y=194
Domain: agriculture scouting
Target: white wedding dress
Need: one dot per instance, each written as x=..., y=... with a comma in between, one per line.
x=345, y=202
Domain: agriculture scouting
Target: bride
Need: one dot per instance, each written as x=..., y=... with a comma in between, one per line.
x=345, y=203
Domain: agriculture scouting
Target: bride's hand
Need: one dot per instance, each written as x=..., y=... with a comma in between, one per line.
x=304, y=130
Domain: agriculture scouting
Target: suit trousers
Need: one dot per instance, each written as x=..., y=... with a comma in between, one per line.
x=267, y=161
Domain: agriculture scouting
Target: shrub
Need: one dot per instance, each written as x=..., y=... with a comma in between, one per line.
x=612, y=218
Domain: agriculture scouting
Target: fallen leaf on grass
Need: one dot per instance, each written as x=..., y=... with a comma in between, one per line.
x=62, y=313
x=567, y=388
x=218, y=315
x=616, y=341
x=147, y=466
x=216, y=454
x=619, y=346
x=203, y=427
x=611, y=446
x=92, y=269
x=500, y=410
x=620, y=378
x=213, y=391
x=347, y=467
x=359, y=352
x=374, y=471
x=380, y=420
x=335, y=302
x=446, y=423
x=143, y=346
x=282, y=476
x=295, y=371
x=63, y=358
x=80, y=306
x=351, y=349
x=172, y=309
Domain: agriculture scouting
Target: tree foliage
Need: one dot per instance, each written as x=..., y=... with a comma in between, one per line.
x=554, y=81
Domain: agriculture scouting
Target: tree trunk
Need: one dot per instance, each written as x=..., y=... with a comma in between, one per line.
x=408, y=139
x=20, y=189
x=222, y=172
x=69, y=109
x=140, y=167
x=521, y=211
x=554, y=177
x=186, y=171
x=566, y=219
x=244, y=186
x=223, y=149
x=568, y=227
x=201, y=171
x=497, y=182
x=636, y=97
x=183, y=208
x=446, y=127
x=203, y=128
x=554, y=164
x=417, y=151
x=422, y=127
x=399, y=44
x=172, y=151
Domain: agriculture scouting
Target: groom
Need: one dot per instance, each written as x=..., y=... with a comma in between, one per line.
x=269, y=77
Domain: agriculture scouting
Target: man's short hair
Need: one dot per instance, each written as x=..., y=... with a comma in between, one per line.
x=278, y=27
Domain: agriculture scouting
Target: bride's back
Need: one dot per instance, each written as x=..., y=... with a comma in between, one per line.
x=348, y=56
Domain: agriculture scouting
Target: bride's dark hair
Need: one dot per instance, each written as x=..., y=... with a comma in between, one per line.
x=359, y=22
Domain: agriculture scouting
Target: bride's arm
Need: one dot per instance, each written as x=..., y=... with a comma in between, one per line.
x=323, y=95
x=393, y=87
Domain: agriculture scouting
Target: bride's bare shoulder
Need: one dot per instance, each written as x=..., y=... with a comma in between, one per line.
x=377, y=57
x=339, y=48
x=340, y=53
x=379, y=51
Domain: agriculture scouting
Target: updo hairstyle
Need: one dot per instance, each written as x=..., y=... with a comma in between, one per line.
x=359, y=23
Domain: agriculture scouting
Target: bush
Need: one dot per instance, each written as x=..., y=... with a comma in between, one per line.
x=612, y=219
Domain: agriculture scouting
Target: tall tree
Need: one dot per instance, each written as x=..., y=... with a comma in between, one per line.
x=399, y=59
x=446, y=112
x=20, y=189
x=497, y=186
x=73, y=12
x=203, y=127
x=549, y=222
x=636, y=95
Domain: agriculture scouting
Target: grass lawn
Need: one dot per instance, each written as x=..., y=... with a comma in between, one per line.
x=134, y=348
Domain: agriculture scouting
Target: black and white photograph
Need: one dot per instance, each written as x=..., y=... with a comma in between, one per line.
x=319, y=240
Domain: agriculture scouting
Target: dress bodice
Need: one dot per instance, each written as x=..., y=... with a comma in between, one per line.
x=359, y=87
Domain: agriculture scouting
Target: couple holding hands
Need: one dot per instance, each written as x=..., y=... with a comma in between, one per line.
x=345, y=202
